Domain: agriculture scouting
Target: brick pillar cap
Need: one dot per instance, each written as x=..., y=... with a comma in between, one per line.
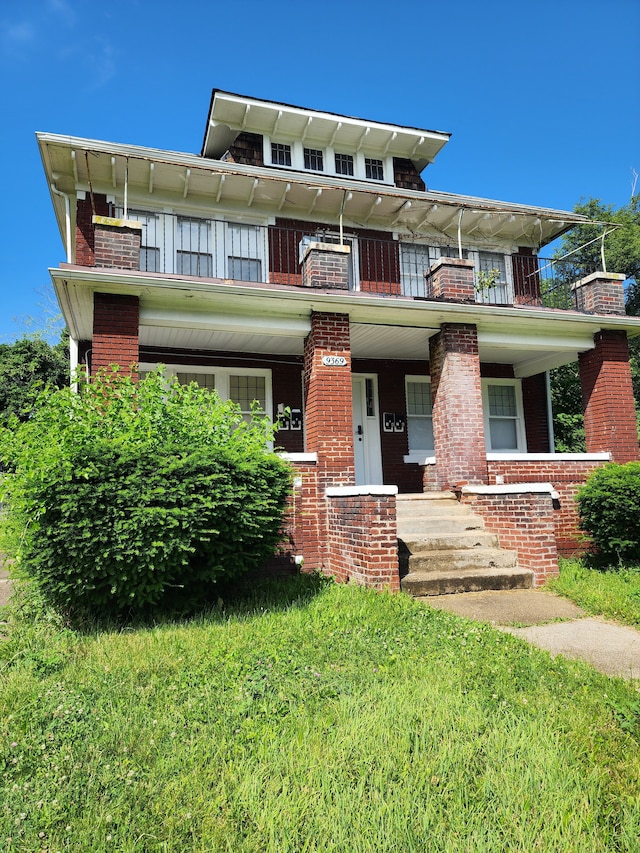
x=322, y=247
x=349, y=491
x=598, y=276
x=510, y=489
x=112, y=222
x=454, y=262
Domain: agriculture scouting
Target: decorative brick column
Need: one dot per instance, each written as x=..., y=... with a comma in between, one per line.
x=328, y=418
x=117, y=242
x=452, y=280
x=607, y=397
x=325, y=265
x=600, y=293
x=458, y=423
x=115, y=332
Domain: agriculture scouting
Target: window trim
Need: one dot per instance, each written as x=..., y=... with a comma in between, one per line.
x=521, y=437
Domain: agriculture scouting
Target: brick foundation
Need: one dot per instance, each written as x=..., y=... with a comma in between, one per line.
x=607, y=397
x=523, y=521
x=458, y=424
x=362, y=544
x=115, y=332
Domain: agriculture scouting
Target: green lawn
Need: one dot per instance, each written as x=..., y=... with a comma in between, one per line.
x=316, y=717
x=613, y=593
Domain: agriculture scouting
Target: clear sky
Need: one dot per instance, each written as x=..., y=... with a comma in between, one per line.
x=542, y=98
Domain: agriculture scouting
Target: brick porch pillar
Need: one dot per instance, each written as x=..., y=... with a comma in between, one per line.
x=115, y=332
x=328, y=416
x=458, y=423
x=607, y=397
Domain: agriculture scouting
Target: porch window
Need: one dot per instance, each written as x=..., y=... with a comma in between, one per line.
x=149, y=241
x=504, y=422
x=415, y=261
x=419, y=417
x=494, y=265
x=193, y=247
x=245, y=249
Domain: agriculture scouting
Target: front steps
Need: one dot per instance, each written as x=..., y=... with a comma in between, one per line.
x=444, y=548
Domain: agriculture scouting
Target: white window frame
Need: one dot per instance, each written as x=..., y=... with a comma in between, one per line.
x=521, y=437
x=417, y=451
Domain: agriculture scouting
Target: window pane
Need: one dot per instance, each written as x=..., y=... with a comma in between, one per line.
x=419, y=398
x=149, y=259
x=420, y=432
x=502, y=401
x=243, y=390
x=344, y=164
x=204, y=380
x=489, y=261
x=245, y=269
x=313, y=159
x=503, y=434
x=280, y=154
x=415, y=260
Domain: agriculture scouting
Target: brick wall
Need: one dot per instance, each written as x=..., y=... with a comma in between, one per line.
x=304, y=532
x=566, y=475
x=600, y=293
x=117, y=243
x=458, y=424
x=536, y=413
x=523, y=521
x=607, y=397
x=85, y=229
x=326, y=265
x=452, y=280
x=115, y=331
x=362, y=541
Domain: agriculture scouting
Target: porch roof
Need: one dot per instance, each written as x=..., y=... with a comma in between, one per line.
x=223, y=315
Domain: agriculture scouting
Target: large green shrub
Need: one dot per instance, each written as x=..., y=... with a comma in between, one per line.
x=125, y=493
x=609, y=507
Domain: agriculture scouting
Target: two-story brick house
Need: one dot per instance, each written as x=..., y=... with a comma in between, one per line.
x=402, y=336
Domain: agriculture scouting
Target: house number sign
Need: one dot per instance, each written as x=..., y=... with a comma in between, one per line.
x=334, y=360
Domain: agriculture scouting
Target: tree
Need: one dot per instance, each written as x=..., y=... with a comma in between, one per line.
x=622, y=255
x=26, y=366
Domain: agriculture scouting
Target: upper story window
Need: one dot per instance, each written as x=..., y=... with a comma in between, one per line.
x=193, y=247
x=493, y=281
x=344, y=164
x=313, y=159
x=280, y=154
x=374, y=169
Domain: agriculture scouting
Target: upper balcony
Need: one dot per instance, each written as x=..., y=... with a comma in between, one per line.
x=382, y=266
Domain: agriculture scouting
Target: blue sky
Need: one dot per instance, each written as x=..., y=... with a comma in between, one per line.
x=542, y=98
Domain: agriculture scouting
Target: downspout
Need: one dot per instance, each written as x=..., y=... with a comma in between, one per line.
x=460, y=212
x=552, y=438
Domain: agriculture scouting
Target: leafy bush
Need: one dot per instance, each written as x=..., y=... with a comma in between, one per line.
x=609, y=507
x=121, y=495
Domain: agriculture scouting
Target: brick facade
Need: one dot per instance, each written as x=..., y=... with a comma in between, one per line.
x=607, y=397
x=458, y=424
x=85, y=235
x=535, y=402
x=115, y=331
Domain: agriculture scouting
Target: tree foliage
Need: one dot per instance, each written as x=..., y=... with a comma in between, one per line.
x=126, y=495
x=622, y=255
x=26, y=366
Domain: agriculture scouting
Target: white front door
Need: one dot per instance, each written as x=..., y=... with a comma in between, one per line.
x=366, y=430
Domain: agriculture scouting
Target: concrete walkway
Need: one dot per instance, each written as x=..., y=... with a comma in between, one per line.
x=611, y=648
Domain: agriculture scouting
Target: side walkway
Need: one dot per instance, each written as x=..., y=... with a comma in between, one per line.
x=613, y=649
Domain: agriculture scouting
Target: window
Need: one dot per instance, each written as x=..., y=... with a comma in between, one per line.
x=493, y=268
x=419, y=420
x=503, y=415
x=313, y=159
x=193, y=247
x=280, y=154
x=246, y=390
x=244, y=249
x=344, y=164
x=204, y=380
x=149, y=240
x=415, y=261
x=373, y=169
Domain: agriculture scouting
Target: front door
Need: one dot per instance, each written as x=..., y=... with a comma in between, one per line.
x=366, y=430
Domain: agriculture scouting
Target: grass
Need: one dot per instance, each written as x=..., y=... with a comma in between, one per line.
x=310, y=717
x=614, y=593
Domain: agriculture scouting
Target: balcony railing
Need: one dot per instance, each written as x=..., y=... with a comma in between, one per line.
x=213, y=248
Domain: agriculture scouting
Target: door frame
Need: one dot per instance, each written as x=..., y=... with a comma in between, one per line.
x=368, y=463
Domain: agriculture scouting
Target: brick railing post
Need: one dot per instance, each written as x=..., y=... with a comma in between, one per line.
x=452, y=280
x=458, y=423
x=607, y=397
x=600, y=293
x=115, y=332
x=117, y=242
x=325, y=265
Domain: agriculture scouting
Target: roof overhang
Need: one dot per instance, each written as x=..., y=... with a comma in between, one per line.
x=148, y=176
x=227, y=316
x=231, y=114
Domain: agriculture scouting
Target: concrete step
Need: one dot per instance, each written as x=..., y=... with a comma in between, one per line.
x=450, y=540
x=459, y=560
x=418, y=497
x=471, y=580
x=414, y=528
